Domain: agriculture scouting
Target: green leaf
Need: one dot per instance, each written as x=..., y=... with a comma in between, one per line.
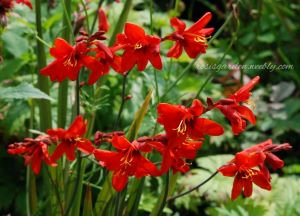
x=266, y=38
x=23, y=91
x=138, y=118
x=14, y=43
x=88, y=203
x=10, y=67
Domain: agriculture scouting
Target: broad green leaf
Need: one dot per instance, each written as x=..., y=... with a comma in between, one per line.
x=10, y=67
x=14, y=43
x=23, y=91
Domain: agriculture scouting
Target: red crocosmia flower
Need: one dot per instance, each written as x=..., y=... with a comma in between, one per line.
x=103, y=24
x=127, y=161
x=193, y=40
x=243, y=167
x=107, y=59
x=174, y=156
x=25, y=2
x=268, y=148
x=69, y=60
x=34, y=152
x=71, y=139
x=236, y=113
x=182, y=123
x=139, y=48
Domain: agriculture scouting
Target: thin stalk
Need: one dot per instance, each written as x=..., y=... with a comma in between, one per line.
x=162, y=200
x=79, y=158
x=123, y=98
x=96, y=15
x=194, y=188
x=31, y=197
x=86, y=16
x=63, y=86
x=56, y=192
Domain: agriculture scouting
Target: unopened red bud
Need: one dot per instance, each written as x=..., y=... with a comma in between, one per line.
x=84, y=33
x=81, y=84
x=226, y=101
x=128, y=97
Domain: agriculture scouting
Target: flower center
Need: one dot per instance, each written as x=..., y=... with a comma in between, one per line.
x=127, y=159
x=138, y=46
x=200, y=39
x=71, y=61
x=181, y=129
x=248, y=173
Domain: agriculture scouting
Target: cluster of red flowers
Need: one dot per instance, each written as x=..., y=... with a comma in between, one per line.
x=185, y=130
x=138, y=49
x=249, y=166
x=7, y=5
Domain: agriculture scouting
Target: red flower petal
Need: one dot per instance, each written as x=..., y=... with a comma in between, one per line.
x=177, y=24
x=134, y=32
x=196, y=108
x=145, y=168
x=274, y=161
x=248, y=188
x=59, y=151
x=119, y=181
x=204, y=126
x=176, y=50
x=61, y=48
x=36, y=162
x=103, y=24
x=201, y=23
x=246, y=113
x=85, y=146
x=243, y=93
x=77, y=128
x=120, y=143
x=108, y=159
x=228, y=169
x=70, y=152
x=261, y=181
x=156, y=61
x=236, y=188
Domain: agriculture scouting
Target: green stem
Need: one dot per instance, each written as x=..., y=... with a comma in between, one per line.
x=120, y=24
x=43, y=82
x=194, y=188
x=162, y=200
x=56, y=192
x=63, y=86
x=123, y=98
x=31, y=196
x=86, y=16
x=96, y=16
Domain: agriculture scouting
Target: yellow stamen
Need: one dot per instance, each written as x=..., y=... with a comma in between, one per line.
x=181, y=127
x=138, y=46
x=70, y=61
x=200, y=39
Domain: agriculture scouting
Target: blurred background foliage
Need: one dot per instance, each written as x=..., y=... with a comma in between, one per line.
x=262, y=32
